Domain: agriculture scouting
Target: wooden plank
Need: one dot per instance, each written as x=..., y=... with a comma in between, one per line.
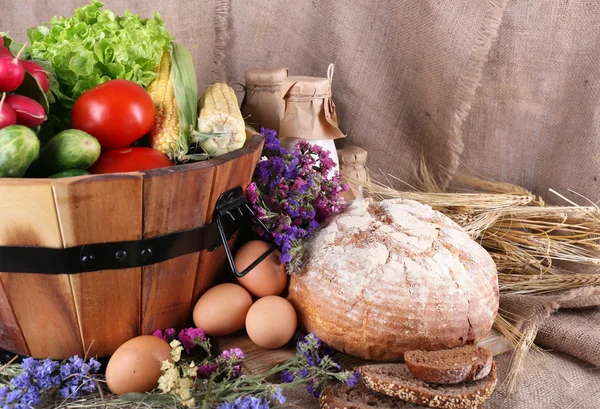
x=94, y=210
x=37, y=311
x=175, y=199
x=259, y=360
x=11, y=335
x=233, y=169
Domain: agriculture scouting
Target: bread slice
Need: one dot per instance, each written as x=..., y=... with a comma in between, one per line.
x=397, y=381
x=340, y=396
x=450, y=366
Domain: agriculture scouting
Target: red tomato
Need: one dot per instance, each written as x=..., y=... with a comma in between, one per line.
x=130, y=160
x=117, y=113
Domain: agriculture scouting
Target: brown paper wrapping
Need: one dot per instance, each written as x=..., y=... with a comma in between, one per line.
x=309, y=109
x=263, y=105
x=353, y=162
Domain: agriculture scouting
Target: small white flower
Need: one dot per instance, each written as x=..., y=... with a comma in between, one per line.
x=176, y=350
x=184, y=389
x=263, y=158
x=191, y=370
x=169, y=378
x=190, y=403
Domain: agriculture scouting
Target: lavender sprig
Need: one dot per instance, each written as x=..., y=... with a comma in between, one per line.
x=294, y=193
x=312, y=366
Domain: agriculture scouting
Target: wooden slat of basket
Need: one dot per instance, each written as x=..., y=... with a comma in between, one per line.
x=94, y=210
x=236, y=170
x=175, y=199
x=259, y=360
x=11, y=335
x=37, y=311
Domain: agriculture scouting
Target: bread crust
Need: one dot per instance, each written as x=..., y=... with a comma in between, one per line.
x=477, y=368
x=362, y=398
x=385, y=278
x=424, y=396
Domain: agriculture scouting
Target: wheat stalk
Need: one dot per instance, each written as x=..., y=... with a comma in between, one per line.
x=525, y=238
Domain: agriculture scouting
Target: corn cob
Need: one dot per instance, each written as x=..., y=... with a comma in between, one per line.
x=220, y=123
x=174, y=94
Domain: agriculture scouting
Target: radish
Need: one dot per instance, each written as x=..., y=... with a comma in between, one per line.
x=12, y=73
x=8, y=116
x=38, y=73
x=29, y=112
x=5, y=52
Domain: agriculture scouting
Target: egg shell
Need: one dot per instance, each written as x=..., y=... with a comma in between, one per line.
x=135, y=365
x=271, y=322
x=222, y=309
x=268, y=277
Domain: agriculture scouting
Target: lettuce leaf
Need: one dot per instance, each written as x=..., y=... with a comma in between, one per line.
x=95, y=46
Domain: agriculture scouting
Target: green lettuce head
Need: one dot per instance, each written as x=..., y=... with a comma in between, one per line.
x=95, y=46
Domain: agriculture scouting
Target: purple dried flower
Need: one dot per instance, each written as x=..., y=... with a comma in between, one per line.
x=352, y=380
x=233, y=354
x=31, y=397
x=13, y=396
x=303, y=372
x=207, y=369
x=21, y=381
x=190, y=337
x=293, y=193
x=168, y=335
x=278, y=396
x=246, y=402
x=287, y=376
x=251, y=193
x=312, y=390
x=29, y=364
x=69, y=391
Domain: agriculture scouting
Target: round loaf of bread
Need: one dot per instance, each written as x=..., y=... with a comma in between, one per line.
x=389, y=277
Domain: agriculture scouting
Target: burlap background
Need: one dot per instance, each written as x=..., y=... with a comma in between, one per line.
x=428, y=75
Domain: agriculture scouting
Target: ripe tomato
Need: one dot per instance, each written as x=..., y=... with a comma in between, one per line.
x=117, y=113
x=130, y=160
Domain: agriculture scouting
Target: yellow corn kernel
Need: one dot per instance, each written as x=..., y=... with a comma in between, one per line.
x=220, y=115
x=165, y=133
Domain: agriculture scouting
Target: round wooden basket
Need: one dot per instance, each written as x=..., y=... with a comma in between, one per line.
x=59, y=315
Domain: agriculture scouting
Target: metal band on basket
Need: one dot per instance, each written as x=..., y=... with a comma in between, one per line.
x=139, y=253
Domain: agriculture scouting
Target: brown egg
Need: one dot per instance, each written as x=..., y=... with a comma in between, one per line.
x=268, y=277
x=135, y=365
x=271, y=322
x=222, y=309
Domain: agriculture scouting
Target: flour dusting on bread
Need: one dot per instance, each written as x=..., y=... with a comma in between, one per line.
x=383, y=278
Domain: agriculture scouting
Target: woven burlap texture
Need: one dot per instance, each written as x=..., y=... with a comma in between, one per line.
x=513, y=84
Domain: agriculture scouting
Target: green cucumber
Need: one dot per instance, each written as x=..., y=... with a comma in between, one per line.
x=70, y=149
x=69, y=173
x=19, y=147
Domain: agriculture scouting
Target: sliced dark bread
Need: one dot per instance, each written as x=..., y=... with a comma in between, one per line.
x=397, y=381
x=340, y=396
x=450, y=366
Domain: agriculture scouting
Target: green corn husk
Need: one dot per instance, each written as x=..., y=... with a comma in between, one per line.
x=186, y=94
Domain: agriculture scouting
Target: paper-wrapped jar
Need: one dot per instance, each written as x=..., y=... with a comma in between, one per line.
x=263, y=105
x=309, y=113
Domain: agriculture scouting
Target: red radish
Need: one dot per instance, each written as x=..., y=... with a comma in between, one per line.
x=5, y=52
x=38, y=73
x=12, y=73
x=8, y=116
x=29, y=112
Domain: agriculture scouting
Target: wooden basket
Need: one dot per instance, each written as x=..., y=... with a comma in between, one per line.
x=57, y=316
